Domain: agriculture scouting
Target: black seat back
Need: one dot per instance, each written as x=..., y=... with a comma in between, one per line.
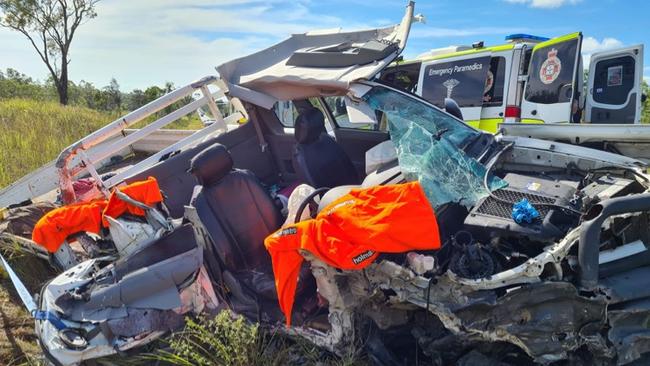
x=318, y=159
x=235, y=210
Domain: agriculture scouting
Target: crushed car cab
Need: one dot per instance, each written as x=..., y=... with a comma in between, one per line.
x=544, y=253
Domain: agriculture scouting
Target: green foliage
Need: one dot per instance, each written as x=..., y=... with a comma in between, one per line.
x=35, y=132
x=224, y=340
x=14, y=84
x=230, y=340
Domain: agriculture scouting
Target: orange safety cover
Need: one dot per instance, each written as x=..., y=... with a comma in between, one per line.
x=53, y=228
x=351, y=232
x=146, y=191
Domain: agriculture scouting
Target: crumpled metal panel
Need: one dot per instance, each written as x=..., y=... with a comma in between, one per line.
x=428, y=145
x=546, y=320
x=143, y=321
x=629, y=332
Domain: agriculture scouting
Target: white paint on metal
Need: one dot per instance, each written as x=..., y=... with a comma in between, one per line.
x=623, y=251
x=195, y=138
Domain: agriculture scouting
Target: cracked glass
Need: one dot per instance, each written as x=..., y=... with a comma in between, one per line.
x=429, y=149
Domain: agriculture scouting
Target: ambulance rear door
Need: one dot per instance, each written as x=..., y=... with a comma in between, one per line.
x=614, y=86
x=552, y=83
x=461, y=78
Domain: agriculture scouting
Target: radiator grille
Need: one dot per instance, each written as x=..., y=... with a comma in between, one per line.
x=493, y=207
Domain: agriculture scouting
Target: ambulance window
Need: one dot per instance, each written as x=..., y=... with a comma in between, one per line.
x=613, y=80
x=404, y=77
x=493, y=92
x=551, y=73
x=461, y=80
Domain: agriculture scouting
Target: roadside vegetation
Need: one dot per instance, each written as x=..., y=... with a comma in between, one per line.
x=34, y=127
x=228, y=339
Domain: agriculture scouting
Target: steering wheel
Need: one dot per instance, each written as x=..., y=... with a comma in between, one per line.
x=311, y=201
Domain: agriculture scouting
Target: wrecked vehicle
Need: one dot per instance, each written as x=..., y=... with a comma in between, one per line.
x=563, y=279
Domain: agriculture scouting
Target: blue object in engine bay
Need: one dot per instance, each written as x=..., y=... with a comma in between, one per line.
x=524, y=212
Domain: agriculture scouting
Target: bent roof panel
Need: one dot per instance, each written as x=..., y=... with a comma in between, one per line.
x=267, y=71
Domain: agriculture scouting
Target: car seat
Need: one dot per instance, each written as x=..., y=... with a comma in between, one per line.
x=318, y=159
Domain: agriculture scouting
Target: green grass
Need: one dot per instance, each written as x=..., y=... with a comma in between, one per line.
x=33, y=132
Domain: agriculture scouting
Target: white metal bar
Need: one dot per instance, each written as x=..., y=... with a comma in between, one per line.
x=113, y=139
x=34, y=184
x=216, y=114
x=148, y=129
x=153, y=159
x=93, y=172
x=141, y=113
x=45, y=179
x=159, y=140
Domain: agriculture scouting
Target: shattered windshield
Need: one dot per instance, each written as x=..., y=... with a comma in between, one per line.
x=429, y=149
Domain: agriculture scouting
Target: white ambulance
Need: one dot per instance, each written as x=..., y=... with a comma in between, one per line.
x=529, y=80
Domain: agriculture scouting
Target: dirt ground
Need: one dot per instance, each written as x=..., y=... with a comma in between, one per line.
x=17, y=340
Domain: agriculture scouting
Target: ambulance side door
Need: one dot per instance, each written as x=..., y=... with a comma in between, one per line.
x=461, y=78
x=496, y=91
x=552, y=85
x=614, y=86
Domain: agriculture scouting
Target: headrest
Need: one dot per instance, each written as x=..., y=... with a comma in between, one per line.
x=211, y=165
x=309, y=125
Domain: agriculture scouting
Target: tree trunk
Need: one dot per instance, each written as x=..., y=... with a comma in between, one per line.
x=62, y=85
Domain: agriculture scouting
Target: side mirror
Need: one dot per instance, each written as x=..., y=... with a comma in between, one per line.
x=452, y=108
x=644, y=97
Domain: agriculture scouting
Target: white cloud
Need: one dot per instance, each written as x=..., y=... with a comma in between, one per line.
x=591, y=45
x=146, y=42
x=544, y=4
x=437, y=32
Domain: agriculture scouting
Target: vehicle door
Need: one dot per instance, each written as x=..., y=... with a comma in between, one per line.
x=614, y=86
x=551, y=88
x=461, y=78
x=354, y=132
x=495, y=91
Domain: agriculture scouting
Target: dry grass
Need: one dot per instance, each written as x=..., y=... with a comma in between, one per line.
x=17, y=340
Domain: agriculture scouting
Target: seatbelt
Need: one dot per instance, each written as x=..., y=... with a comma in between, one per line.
x=258, y=131
x=264, y=146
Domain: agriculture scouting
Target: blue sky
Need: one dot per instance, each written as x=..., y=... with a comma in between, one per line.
x=145, y=42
